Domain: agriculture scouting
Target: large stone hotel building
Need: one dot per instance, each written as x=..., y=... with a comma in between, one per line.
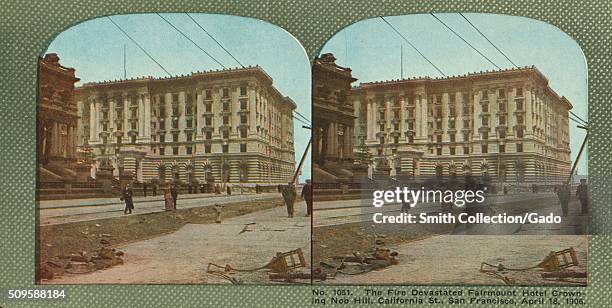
x=215, y=126
x=507, y=124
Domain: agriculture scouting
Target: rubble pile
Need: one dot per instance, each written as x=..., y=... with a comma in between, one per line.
x=380, y=257
x=81, y=263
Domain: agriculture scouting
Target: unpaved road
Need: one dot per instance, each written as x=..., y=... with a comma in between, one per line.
x=456, y=259
x=182, y=257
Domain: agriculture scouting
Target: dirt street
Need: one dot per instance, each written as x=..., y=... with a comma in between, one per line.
x=456, y=259
x=182, y=257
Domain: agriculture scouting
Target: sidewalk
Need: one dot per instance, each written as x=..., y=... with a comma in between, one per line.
x=56, y=213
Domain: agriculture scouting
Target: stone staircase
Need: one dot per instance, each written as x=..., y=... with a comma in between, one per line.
x=53, y=186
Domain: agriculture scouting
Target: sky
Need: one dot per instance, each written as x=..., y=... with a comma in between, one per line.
x=372, y=50
x=95, y=49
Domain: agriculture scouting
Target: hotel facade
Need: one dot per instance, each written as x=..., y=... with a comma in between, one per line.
x=225, y=126
x=509, y=125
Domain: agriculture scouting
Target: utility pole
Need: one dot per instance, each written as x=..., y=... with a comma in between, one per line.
x=299, y=166
x=582, y=147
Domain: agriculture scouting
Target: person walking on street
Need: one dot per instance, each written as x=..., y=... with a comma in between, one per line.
x=228, y=189
x=563, y=193
x=144, y=189
x=174, y=192
x=582, y=192
x=307, y=196
x=126, y=196
x=154, y=189
x=168, y=198
x=289, y=196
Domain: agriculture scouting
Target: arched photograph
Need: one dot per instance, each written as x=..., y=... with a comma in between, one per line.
x=447, y=142
x=172, y=150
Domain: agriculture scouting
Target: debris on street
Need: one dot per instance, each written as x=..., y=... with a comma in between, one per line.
x=81, y=263
x=553, y=266
x=380, y=257
x=284, y=266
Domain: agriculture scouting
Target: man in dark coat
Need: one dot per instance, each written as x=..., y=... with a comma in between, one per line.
x=582, y=192
x=228, y=189
x=126, y=196
x=563, y=193
x=174, y=193
x=307, y=196
x=289, y=195
x=144, y=189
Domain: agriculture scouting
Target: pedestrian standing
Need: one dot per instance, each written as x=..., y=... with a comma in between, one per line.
x=582, y=192
x=154, y=189
x=307, y=196
x=168, y=198
x=563, y=193
x=289, y=195
x=228, y=189
x=126, y=196
x=174, y=192
x=144, y=189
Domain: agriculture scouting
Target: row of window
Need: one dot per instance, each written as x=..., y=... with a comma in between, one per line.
x=207, y=149
x=243, y=133
x=225, y=92
x=484, y=148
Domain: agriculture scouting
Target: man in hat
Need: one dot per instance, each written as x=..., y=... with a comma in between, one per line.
x=307, y=196
x=563, y=193
x=174, y=192
x=582, y=192
x=126, y=196
x=289, y=196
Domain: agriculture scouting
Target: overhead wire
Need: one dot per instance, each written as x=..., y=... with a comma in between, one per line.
x=139, y=46
x=302, y=116
x=189, y=39
x=486, y=38
x=464, y=40
x=412, y=45
x=214, y=39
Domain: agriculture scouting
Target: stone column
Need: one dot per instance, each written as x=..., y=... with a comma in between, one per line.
x=477, y=122
x=459, y=117
x=93, y=136
x=528, y=118
x=200, y=114
x=147, y=117
x=111, y=117
x=417, y=117
x=53, y=151
x=98, y=117
x=423, y=116
x=494, y=111
x=330, y=140
x=71, y=146
x=511, y=108
x=369, y=121
x=140, y=116
x=402, y=120
x=252, y=101
x=126, y=114
x=388, y=112
x=348, y=148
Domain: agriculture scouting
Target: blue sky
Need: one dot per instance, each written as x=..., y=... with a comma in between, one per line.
x=95, y=49
x=372, y=50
